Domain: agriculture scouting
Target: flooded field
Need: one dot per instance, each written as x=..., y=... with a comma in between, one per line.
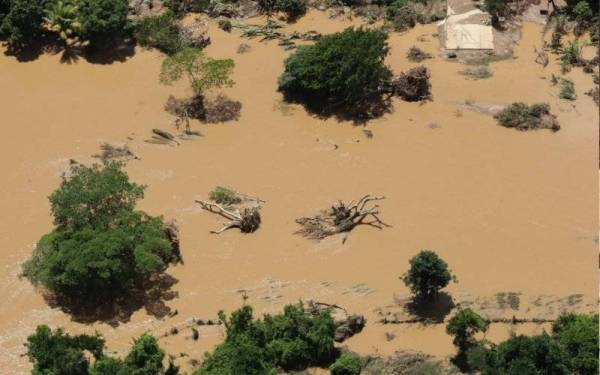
x=509, y=211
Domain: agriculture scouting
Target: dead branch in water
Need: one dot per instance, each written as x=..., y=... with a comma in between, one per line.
x=247, y=220
x=341, y=217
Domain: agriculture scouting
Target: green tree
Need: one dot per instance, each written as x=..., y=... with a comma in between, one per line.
x=160, y=32
x=54, y=352
x=292, y=340
x=346, y=364
x=341, y=70
x=524, y=355
x=22, y=24
x=145, y=357
x=496, y=8
x=578, y=335
x=463, y=326
x=101, y=245
x=102, y=20
x=292, y=8
x=61, y=18
x=202, y=72
x=428, y=274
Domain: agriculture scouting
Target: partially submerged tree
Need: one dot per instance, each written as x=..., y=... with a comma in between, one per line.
x=427, y=275
x=341, y=71
x=342, y=217
x=161, y=32
x=101, y=246
x=463, y=326
x=526, y=117
x=102, y=21
x=22, y=23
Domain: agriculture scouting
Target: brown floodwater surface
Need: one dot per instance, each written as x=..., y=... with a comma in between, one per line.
x=509, y=211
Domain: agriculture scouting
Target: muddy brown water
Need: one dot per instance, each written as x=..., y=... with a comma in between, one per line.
x=510, y=211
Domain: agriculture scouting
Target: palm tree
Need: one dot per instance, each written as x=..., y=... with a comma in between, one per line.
x=62, y=18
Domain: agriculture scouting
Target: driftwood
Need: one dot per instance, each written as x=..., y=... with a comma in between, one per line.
x=341, y=218
x=247, y=220
x=413, y=85
x=164, y=136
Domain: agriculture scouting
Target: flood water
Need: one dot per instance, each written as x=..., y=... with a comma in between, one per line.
x=509, y=211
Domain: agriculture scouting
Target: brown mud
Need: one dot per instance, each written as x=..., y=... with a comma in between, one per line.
x=509, y=211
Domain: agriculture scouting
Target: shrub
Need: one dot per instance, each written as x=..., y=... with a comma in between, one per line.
x=416, y=54
x=225, y=25
x=22, y=23
x=61, y=17
x=101, y=246
x=292, y=341
x=340, y=70
x=102, y=20
x=54, y=352
x=202, y=72
x=346, y=364
x=428, y=274
x=292, y=8
x=524, y=117
x=583, y=12
x=578, y=335
x=223, y=195
x=160, y=32
x=221, y=109
x=496, y=8
x=402, y=15
x=463, y=326
x=567, y=90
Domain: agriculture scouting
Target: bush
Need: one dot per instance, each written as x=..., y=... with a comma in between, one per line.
x=578, y=335
x=160, y=32
x=59, y=353
x=496, y=8
x=292, y=8
x=22, y=22
x=567, y=90
x=463, y=326
x=102, y=20
x=223, y=195
x=225, y=25
x=346, y=364
x=402, y=15
x=524, y=117
x=101, y=246
x=291, y=341
x=340, y=70
x=415, y=54
x=428, y=274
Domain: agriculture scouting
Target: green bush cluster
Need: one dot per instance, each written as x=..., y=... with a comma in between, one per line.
x=289, y=341
x=223, y=195
x=100, y=246
x=161, y=32
x=54, y=352
x=401, y=14
x=571, y=348
x=340, y=70
x=524, y=117
x=346, y=364
x=96, y=21
x=292, y=8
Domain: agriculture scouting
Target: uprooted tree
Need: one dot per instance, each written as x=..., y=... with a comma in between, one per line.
x=342, y=217
x=242, y=211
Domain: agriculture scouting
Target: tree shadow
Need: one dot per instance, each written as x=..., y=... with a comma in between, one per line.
x=118, y=308
x=431, y=311
x=120, y=50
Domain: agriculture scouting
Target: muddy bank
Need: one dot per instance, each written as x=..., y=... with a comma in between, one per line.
x=509, y=211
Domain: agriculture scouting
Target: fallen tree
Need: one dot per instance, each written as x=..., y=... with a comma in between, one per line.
x=246, y=218
x=341, y=217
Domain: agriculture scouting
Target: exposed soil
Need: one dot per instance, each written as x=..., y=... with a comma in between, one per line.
x=509, y=211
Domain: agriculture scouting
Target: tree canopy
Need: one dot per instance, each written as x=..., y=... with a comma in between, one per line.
x=102, y=20
x=340, y=70
x=21, y=22
x=101, y=245
x=291, y=341
x=428, y=274
x=463, y=326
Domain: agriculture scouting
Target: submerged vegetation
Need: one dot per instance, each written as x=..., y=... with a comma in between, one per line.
x=526, y=117
x=427, y=275
x=101, y=245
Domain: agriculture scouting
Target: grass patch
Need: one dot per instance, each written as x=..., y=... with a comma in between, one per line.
x=477, y=73
x=567, y=90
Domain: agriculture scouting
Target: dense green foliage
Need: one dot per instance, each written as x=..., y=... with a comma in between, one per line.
x=339, y=70
x=463, y=326
x=57, y=353
x=101, y=245
x=160, y=32
x=401, y=14
x=22, y=23
x=578, y=335
x=428, y=274
x=61, y=17
x=346, y=364
x=495, y=7
x=292, y=340
x=102, y=20
x=292, y=8
x=571, y=349
x=202, y=72
x=524, y=117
